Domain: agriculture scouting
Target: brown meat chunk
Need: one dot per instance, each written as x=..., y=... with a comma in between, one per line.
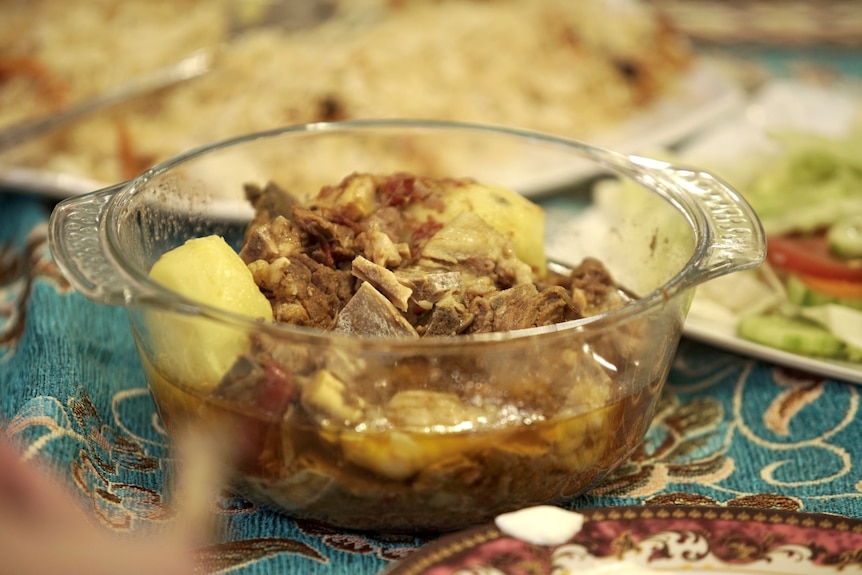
x=554, y=305
x=448, y=317
x=428, y=286
x=278, y=238
x=591, y=282
x=369, y=313
x=270, y=199
x=383, y=280
x=519, y=307
x=329, y=241
x=303, y=291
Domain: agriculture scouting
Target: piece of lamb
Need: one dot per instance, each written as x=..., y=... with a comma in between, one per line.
x=269, y=201
x=448, y=317
x=383, y=280
x=369, y=313
x=270, y=241
x=520, y=307
x=428, y=286
x=468, y=241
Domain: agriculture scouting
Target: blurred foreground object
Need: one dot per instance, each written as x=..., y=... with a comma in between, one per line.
x=44, y=530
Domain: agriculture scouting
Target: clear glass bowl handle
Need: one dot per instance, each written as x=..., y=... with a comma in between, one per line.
x=77, y=240
x=734, y=237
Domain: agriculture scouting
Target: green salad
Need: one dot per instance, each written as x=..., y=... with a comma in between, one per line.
x=807, y=298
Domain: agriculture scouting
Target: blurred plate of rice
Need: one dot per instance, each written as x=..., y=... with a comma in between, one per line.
x=616, y=73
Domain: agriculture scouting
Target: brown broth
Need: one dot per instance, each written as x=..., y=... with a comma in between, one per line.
x=452, y=480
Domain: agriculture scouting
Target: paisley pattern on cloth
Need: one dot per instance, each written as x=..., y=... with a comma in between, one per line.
x=729, y=432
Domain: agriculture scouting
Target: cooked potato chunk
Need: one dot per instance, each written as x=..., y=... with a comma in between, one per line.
x=519, y=220
x=197, y=351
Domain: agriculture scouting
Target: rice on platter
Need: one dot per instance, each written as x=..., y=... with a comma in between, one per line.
x=571, y=68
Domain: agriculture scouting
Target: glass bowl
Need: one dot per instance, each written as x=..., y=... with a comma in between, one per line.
x=412, y=434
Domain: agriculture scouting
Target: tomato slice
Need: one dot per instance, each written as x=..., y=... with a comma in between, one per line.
x=810, y=255
x=846, y=290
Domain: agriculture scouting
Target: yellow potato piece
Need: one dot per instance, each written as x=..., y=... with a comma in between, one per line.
x=197, y=351
x=518, y=219
x=399, y=455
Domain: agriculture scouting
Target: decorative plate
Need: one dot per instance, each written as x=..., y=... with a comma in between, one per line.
x=636, y=540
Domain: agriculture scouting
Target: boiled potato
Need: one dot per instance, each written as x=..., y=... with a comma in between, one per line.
x=196, y=351
x=399, y=455
x=518, y=219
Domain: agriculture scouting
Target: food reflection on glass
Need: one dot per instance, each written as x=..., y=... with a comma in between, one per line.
x=400, y=256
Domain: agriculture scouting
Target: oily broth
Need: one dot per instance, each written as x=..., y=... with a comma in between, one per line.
x=297, y=466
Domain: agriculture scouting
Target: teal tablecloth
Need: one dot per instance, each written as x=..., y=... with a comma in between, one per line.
x=731, y=431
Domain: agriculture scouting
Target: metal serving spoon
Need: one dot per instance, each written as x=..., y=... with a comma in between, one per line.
x=189, y=67
x=242, y=16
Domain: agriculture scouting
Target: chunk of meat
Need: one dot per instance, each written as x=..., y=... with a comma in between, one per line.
x=369, y=313
x=383, y=280
x=302, y=290
x=379, y=247
x=268, y=202
x=329, y=241
x=448, y=317
x=591, y=284
x=275, y=239
x=266, y=387
x=429, y=286
x=354, y=198
x=519, y=307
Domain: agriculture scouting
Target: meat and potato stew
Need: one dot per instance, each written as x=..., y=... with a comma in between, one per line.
x=356, y=432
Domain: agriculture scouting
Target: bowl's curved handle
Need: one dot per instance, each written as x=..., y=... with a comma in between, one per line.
x=78, y=245
x=733, y=237
x=736, y=240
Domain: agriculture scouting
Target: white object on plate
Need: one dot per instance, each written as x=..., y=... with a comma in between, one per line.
x=672, y=540
x=801, y=106
x=782, y=104
x=49, y=184
x=541, y=525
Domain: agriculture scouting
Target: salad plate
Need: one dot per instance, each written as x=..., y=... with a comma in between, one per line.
x=646, y=540
x=723, y=334
x=736, y=150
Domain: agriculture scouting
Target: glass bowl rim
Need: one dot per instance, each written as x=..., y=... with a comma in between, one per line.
x=157, y=295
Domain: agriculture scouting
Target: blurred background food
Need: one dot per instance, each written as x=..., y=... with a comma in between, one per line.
x=571, y=68
x=776, y=22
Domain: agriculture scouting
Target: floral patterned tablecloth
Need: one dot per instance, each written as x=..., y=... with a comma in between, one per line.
x=730, y=430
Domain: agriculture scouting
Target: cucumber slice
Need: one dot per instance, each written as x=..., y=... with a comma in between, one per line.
x=798, y=293
x=843, y=322
x=845, y=237
x=789, y=334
